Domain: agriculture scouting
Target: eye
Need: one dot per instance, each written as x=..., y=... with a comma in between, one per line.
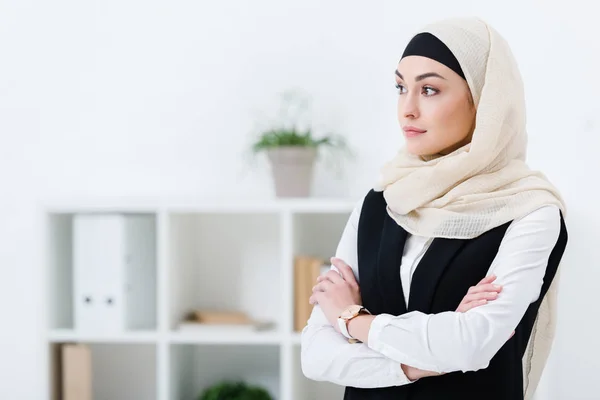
x=401, y=88
x=429, y=91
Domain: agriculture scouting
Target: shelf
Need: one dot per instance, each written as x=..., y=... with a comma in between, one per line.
x=225, y=337
x=210, y=255
x=67, y=335
x=196, y=367
x=187, y=205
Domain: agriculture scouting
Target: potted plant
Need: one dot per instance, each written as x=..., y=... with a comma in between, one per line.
x=293, y=150
x=229, y=390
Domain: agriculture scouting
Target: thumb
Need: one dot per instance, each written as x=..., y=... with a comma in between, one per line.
x=344, y=269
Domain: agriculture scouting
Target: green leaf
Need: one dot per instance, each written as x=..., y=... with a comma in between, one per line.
x=288, y=137
x=229, y=390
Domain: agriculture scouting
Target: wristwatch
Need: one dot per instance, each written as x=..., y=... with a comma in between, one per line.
x=351, y=312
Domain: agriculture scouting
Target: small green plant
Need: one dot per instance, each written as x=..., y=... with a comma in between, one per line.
x=290, y=130
x=230, y=390
x=292, y=137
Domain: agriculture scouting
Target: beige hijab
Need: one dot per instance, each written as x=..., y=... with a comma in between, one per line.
x=485, y=183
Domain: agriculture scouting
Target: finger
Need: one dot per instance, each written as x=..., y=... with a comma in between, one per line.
x=312, y=300
x=318, y=288
x=344, y=269
x=317, y=297
x=334, y=276
x=330, y=277
x=322, y=286
x=480, y=296
x=487, y=279
x=512, y=334
x=488, y=287
x=468, y=306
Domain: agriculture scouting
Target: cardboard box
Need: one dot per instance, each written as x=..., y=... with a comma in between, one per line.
x=76, y=372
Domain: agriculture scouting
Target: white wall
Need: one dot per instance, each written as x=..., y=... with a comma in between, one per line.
x=136, y=98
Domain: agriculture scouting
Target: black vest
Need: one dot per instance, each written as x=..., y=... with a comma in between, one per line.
x=441, y=280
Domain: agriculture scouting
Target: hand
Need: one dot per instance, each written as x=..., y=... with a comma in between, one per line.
x=480, y=294
x=476, y=296
x=335, y=291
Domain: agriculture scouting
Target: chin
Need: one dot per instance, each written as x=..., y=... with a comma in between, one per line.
x=419, y=151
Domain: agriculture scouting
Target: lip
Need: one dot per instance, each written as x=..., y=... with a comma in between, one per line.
x=411, y=131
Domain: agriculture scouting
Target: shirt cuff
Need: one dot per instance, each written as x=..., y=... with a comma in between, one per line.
x=377, y=339
x=398, y=372
x=379, y=322
x=377, y=325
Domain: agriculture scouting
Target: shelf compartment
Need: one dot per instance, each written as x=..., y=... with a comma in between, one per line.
x=118, y=371
x=318, y=234
x=224, y=262
x=130, y=286
x=197, y=367
x=315, y=240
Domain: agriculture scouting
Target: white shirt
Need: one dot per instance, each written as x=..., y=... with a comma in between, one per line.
x=443, y=342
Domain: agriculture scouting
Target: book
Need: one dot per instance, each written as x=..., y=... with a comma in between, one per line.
x=220, y=317
x=222, y=321
x=306, y=271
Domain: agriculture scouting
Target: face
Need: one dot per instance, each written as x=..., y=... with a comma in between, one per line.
x=435, y=107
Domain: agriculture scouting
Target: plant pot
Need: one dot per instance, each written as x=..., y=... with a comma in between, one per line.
x=292, y=170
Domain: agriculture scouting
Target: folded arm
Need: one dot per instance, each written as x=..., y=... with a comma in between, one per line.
x=454, y=341
x=327, y=356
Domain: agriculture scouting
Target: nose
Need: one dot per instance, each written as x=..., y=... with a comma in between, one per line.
x=409, y=106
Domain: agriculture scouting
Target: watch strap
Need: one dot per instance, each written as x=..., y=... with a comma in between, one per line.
x=343, y=323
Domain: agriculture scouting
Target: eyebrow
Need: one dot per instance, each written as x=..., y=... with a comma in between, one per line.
x=422, y=76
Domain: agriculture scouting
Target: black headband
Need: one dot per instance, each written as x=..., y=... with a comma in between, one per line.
x=427, y=45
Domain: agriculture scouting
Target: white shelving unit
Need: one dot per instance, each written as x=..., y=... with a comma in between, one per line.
x=209, y=255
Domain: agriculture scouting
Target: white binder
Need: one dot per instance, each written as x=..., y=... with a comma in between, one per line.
x=114, y=272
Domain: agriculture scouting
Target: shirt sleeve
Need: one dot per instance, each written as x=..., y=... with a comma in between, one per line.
x=452, y=341
x=327, y=356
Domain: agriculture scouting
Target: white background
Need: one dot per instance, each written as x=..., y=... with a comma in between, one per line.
x=160, y=98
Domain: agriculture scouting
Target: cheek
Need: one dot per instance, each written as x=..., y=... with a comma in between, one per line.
x=454, y=119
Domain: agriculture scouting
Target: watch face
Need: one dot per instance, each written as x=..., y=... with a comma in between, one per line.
x=351, y=311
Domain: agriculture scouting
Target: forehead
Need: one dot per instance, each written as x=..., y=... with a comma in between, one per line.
x=412, y=66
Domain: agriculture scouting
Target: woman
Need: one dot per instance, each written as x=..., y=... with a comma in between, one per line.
x=409, y=310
